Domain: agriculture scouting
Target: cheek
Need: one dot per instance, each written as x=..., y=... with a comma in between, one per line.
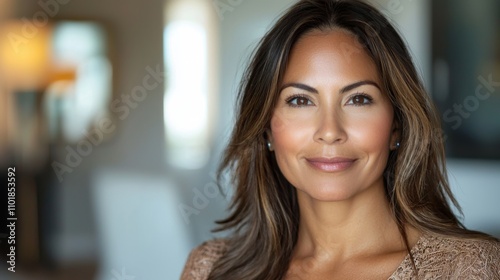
x=289, y=134
x=373, y=132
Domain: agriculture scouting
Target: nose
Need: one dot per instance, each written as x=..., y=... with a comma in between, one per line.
x=330, y=128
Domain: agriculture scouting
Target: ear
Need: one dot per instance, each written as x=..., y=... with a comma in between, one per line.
x=395, y=136
x=269, y=135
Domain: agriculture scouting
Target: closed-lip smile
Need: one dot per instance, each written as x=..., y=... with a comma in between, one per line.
x=331, y=164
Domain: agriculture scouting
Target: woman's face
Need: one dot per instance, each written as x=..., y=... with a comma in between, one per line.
x=332, y=128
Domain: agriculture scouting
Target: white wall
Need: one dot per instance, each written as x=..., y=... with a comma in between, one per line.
x=476, y=185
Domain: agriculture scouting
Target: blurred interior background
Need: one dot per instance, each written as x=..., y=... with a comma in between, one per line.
x=115, y=113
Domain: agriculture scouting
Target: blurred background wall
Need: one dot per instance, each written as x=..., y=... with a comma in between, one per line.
x=131, y=191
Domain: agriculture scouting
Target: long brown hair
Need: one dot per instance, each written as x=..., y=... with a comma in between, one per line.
x=264, y=214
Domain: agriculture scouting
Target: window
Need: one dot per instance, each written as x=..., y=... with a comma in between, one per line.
x=189, y=51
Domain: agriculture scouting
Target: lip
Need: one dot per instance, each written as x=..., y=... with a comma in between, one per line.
x=331, y=164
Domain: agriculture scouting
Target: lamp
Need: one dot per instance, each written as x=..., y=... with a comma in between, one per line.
x=25, y=55
x=25, y=59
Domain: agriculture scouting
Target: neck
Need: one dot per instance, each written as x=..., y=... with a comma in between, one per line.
x=357, y=226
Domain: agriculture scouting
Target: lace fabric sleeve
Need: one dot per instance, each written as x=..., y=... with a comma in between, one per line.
x=481, y=262
x=438, y=257
x=201, y=260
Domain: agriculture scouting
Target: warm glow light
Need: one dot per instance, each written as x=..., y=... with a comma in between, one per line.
x=24, y=57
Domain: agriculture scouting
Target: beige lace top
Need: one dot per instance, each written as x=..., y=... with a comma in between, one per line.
x=436, y=257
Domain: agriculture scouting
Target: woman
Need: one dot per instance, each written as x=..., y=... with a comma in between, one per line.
x=338, y=162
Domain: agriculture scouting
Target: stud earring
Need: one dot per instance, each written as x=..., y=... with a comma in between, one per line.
x=269, y=146
x=395, y=146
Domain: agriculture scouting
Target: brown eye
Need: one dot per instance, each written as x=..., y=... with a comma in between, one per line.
x=299, y=101
x=360, y=100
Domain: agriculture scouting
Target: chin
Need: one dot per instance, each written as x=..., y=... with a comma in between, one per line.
x=328, y=194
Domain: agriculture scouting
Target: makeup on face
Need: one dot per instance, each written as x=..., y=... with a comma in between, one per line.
x=332, y=126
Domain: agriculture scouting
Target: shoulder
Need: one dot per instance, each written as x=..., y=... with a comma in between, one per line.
x=457, y=258
x=201, y=260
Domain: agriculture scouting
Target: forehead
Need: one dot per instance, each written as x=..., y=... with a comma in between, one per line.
x=333, y=54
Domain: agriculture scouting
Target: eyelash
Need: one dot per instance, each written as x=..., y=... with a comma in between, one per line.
x=369, y=99
x=290, y=99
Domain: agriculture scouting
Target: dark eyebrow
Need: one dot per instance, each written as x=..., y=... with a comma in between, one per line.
x=300, y=86
x=343, y=90
x=358, y=84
